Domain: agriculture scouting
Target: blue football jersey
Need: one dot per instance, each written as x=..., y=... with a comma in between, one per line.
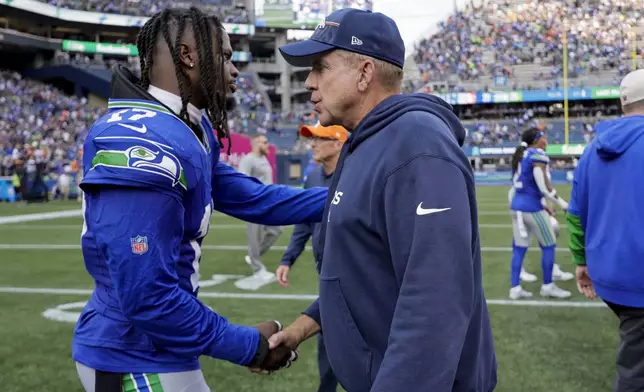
x=527, y=197
x=151, y=184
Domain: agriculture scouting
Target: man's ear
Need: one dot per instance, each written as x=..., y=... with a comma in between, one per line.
x=366, y=74
x=187, y=56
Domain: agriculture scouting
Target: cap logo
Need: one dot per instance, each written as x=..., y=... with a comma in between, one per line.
x=356, y=41
x=327, y=23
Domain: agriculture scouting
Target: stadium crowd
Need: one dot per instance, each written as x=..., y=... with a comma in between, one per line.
x=491, y=38
x=227, y=10
x=41, y=129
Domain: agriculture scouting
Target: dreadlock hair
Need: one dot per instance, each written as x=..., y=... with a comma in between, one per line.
x=528, y=137
x=212, y=81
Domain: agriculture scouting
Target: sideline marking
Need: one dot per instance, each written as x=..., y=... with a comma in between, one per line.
x=300, y=297
x=40, y=216
x=274, y=248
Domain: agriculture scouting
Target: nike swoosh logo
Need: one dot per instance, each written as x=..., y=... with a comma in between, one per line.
x=426, y=211
x=141, y=129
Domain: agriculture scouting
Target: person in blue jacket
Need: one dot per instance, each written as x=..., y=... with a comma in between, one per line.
x=605, y=220
x=326, y=144
x=151, y=180
x=401, y=302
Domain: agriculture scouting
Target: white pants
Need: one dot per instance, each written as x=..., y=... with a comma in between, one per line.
x=192, y=381
x=538, y=224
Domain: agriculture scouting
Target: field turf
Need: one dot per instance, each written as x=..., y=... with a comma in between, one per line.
x=540, y=347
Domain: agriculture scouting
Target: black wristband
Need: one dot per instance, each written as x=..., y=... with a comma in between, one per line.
x=262, y=352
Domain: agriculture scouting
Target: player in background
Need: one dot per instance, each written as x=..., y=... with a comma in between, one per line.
x=259, y=238
x=152, y=178
x=529, y=216
x=326, y=145
x=557, y=272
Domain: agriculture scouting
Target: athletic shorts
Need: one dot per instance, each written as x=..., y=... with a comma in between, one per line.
x=527, y=224
x=192, y=381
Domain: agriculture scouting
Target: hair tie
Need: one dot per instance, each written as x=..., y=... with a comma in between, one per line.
x=524, y=144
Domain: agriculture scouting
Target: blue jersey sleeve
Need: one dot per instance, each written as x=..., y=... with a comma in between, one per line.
x=246, y=198
x=138, y=232
x=538, y=156
x=114, y=157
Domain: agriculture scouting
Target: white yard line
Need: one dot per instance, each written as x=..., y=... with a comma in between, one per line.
x=217, y=247
x=79, y=226
x=296, y=297
x=240, y=226
x=39, y=217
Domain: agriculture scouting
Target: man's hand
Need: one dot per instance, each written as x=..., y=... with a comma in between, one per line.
x=269, y=328
x=290, y=337
x=278, y=357
x=282, y=275
x=283, y=344
x=584, y=284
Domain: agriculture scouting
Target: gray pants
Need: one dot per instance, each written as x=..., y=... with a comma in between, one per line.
x=525, y=224
x=192, y=381
x=630, y=354
x=260, y=238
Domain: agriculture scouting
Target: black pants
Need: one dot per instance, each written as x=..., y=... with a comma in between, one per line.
x=630, y=355
x=328, y=382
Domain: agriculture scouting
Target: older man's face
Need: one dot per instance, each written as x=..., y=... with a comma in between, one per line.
x=334, y=87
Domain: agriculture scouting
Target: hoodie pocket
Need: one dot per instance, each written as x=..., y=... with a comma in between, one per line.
x=348, y=353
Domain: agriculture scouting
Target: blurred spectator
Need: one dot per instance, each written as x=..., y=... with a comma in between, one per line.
x=226, y=10
x=492, y=38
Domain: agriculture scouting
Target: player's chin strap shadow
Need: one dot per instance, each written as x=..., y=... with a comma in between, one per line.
x=108, y=382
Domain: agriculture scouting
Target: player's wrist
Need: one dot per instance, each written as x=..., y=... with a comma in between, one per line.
x=261, y=352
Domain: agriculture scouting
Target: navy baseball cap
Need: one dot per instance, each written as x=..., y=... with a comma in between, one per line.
x=369, y=33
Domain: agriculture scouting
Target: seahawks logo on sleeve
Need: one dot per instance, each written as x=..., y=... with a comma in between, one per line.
x=138, y=154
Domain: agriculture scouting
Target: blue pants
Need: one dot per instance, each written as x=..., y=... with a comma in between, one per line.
x=328, y=382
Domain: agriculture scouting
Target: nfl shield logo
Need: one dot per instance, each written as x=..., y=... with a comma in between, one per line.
x=139, y=245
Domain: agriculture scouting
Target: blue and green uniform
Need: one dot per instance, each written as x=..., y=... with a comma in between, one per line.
x=151, y=184
x=529, y=217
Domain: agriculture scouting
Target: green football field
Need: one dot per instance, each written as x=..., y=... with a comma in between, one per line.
x=542, y=345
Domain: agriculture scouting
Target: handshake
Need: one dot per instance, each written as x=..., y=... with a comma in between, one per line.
x=277, y=349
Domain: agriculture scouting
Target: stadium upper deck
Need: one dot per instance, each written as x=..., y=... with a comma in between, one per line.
x=518, y=45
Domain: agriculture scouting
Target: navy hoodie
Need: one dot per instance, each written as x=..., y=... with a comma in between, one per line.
x=401, y=303
x=605, y=214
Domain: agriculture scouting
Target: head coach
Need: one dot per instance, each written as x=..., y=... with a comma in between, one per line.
x=401, y=302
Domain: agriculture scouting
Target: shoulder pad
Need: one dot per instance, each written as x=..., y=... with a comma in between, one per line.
x=538, y=155
x=147, y=160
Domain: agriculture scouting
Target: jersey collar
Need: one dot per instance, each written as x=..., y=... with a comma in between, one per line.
x=173, y=102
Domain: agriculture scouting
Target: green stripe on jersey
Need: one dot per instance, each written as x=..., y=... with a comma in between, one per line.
x=154, y=381
x=133, y=104
x=540, y=158
x=129, y=385
x=110, y=158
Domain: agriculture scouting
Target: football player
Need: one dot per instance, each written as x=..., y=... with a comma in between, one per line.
x=529, y=216
x=151, y=180
x=557, y=272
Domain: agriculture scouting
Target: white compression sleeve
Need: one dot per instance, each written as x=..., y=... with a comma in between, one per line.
x=540, y=179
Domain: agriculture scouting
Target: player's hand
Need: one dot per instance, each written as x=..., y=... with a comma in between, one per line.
x=584, y=284
x=550, y=210
x=269, y=328
x=278, y=357
x=282, y=275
